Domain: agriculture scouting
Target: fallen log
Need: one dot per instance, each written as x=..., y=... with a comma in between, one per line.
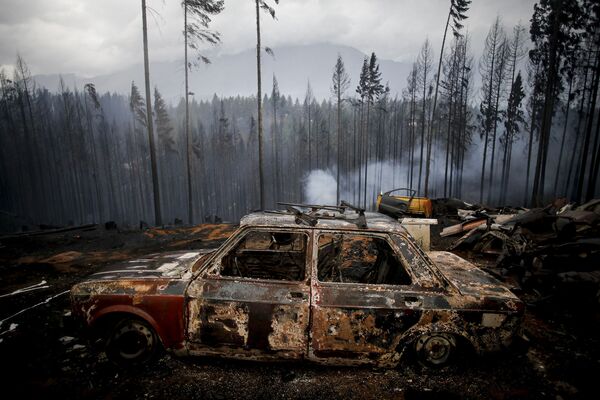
x=462, y=227
x=87, y=227
x=451, y=230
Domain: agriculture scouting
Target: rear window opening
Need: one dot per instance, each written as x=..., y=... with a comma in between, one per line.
x=352, y=258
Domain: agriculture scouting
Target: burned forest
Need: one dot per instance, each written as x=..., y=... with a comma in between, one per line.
x=390, y=199
x=498, y=129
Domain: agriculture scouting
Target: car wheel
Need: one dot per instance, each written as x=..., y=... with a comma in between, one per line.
x=132, y=342
x=435, y=350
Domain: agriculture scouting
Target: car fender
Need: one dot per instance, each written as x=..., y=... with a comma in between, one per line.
x=126, y=309
x=414, y=333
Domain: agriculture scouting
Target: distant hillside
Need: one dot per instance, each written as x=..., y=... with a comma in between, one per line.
x=232, y=75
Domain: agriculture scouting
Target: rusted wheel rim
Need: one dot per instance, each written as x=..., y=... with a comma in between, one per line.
x=437, y=350
x=133, y=340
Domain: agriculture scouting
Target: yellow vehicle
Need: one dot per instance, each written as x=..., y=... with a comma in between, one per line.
x=399, y=205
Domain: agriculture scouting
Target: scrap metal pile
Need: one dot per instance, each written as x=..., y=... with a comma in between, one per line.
x=552, y=250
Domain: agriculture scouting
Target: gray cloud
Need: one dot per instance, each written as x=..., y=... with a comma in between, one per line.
x=97, y=37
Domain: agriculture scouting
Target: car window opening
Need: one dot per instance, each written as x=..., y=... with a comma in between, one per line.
x=267, y=255
x=350, y=258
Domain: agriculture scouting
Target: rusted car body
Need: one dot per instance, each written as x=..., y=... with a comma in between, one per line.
x=333, y=293
x=398, y=205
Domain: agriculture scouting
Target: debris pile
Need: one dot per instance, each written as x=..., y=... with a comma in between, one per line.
x=551, y=249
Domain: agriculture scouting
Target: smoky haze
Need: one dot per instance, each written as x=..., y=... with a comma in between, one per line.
x=77, y=148
x=88, y=38
x=233, y=74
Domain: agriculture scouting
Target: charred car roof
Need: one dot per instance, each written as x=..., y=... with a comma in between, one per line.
x=330, y=220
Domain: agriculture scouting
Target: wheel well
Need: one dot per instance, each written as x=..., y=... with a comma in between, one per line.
x=111, y=327
x=103, y=324
x=463, y=344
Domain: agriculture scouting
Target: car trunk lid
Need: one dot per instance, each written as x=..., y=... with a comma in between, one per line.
x=467, y=278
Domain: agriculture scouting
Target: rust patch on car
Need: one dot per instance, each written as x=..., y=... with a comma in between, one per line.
x=212, y=324
x=360, y=334
x=286, y=328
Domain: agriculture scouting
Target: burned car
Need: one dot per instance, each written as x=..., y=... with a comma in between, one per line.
x=401, y=205
x=334, y=286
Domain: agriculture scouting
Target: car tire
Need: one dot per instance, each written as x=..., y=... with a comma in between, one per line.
x=132, y=342
x=435, y=350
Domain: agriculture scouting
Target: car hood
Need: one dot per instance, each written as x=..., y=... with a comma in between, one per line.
x=467, y=278
x=171, y=265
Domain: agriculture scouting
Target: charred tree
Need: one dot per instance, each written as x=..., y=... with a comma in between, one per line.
x=340, y=83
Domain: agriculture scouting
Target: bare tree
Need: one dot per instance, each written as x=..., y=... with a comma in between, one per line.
x=275, y=99
x=424, y=65
x=450, y=93
x=513, y=119
x=308, y=106
x=149, y=123
x=195, y=33
x=555, y=27
x=369, y=89
x=516, y=52
x=533, y=108
x=457, y=13
x=499, y=82
x=488, y=67
x=340, y=83
x=261, y=4
x=465, y=128
x=411, y=97
x=593, y=37
x=566, y=111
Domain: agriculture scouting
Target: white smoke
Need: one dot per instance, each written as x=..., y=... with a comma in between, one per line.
x=320, y=187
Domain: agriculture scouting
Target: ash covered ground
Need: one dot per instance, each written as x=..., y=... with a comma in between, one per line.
x=43, y=356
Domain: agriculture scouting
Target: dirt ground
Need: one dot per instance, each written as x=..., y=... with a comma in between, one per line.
x=43, y=356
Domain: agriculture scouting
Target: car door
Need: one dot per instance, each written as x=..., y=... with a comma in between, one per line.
x=253, y=300
x=359, y=312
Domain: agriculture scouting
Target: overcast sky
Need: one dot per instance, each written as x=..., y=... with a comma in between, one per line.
x=93, y=37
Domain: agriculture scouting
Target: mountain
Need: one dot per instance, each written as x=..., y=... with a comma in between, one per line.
x=232, y=75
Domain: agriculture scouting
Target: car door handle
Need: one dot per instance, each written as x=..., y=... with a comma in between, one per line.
x=298, y=295
x=412, y=301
